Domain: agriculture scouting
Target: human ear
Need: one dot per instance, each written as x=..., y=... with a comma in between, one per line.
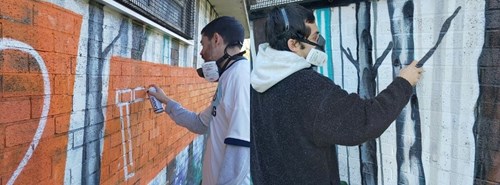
x=293, y=45
x=217, y=38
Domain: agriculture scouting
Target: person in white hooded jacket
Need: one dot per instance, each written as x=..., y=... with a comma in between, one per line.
x=297, y=114
x=226, y=158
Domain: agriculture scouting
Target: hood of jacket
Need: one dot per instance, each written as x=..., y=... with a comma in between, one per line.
x=271, y=66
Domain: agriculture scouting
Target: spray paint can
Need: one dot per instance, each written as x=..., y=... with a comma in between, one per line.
x=155, y=103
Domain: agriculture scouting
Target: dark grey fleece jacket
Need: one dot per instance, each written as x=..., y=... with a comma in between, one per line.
x=295, y=122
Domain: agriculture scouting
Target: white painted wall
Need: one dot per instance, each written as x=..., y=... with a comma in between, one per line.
x=447, y=92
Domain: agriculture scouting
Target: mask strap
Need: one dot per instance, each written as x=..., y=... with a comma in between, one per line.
x=309, y=42
x=237, y=55
x=226, y=55
x=285, y=18
x=226, y=65
x=232, y=58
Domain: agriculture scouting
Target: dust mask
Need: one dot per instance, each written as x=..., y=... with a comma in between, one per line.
x=316, y=57
x=212, y=70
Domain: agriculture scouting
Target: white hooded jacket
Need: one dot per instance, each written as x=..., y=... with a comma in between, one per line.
x=271, y=66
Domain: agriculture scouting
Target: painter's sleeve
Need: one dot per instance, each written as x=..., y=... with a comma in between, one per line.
x=197, y=123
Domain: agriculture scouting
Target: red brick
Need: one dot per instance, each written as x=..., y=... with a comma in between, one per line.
x=162, y=119
x=24, y=132
x=165, y=70
x=111, y=154
x=60, y=104
x=153, y=133
x=105, y=174
x=61, y=85
x=69, y=23
x=17, y=11
x=139, y=69
x=2, y=138
x=14, y=110
x=153, y=152
x=46, y=16
x=133, y=119
x=66, y=43
x=57, y=63
x=113, y=179
x=58, y=168
x=112, y=89
x=73, y=65
x=126, y=69
x=138, y=82
x=139, y=106
x=143, y=159
x=147, y=145
x=108, y=111
x=157, y=80
x=22, y=85
x=136, y=137
x=116, y=166
x=155, y=71
x=15, y=61
x=36, y=105
x=113, y=126
x=143, y=116
x=148, y=125
x=121, y=82
x=137, y=179
x=116, y=139
x=11, y=158
x=42, y=39
x=34, y=65
x=11, y=30
x=115, y=111
x=62, y=123
x=49, y=146
x=32, y=174
x=115, y=68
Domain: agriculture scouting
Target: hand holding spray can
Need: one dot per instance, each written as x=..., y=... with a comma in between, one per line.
x=157, y=105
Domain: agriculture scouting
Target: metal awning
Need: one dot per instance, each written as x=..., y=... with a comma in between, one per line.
x=258, y=8
x=233, y=8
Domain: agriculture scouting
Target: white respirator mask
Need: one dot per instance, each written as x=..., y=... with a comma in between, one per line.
x=212, y=70
x=317, y=55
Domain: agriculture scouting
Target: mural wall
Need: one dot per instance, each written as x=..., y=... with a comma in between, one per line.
x=73, y=106
x=448, y=132
x=487, y=110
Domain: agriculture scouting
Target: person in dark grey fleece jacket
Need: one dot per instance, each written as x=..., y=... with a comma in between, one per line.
x=297, y=114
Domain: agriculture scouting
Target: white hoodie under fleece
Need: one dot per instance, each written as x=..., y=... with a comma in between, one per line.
x=271, y=66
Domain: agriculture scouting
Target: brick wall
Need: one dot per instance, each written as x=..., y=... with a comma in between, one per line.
x=62, y=65
x=155, y=138
x=29, y=29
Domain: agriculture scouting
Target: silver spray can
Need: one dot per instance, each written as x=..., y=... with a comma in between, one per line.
x=155, y=103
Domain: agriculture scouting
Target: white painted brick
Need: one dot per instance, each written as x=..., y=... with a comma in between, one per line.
x=78, y=138
x=77, y=120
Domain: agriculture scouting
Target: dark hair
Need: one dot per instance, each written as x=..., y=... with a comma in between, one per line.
x=228, y=28
x=276, y=34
